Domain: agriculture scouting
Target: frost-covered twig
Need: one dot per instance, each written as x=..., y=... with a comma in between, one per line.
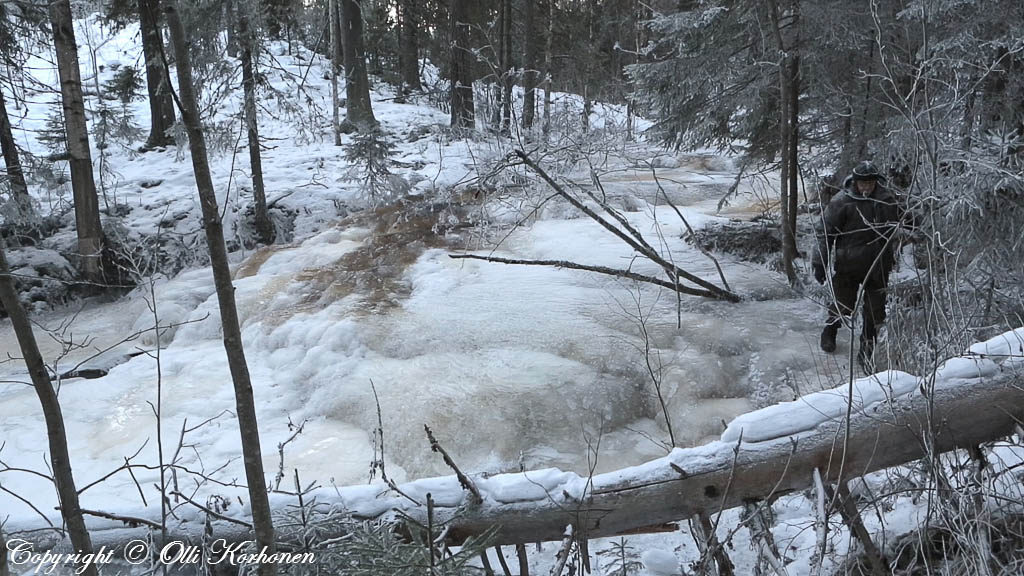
x=379, y=464
x=463, y=479
x=211, y=512
x=129, y=520
x=296, y=430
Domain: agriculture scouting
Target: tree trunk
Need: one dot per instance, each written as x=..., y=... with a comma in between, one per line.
x=244, y=403
x=334, y=29
x=587, y=108
x=60, y=460
x=530, y=63
x=635, y=17
x=232, y=40
x=790, y=95
x=161, y=105
x=15, y=175
x=338, y=51
x=87, y=214
x=547, y=67
x=357, y=84
x=4, y=570
x=264, y=227
x=794, y=147
x=967, y=125
x=408, y=50
x=462, y=111
x=506, y=66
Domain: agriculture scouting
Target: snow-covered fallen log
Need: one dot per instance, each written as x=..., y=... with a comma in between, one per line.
x=969, y=400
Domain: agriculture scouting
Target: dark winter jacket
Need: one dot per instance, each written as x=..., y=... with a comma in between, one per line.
x=855, y=231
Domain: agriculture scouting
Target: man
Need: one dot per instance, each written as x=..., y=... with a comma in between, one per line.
x=856, y=236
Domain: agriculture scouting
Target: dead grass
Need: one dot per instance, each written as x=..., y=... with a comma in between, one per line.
x=375, y=271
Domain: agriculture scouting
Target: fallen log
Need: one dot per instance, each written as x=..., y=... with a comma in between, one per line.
x=956, y=412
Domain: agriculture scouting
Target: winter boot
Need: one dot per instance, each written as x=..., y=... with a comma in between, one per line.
x=828, y=337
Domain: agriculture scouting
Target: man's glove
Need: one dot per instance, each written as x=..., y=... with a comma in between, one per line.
x=819, y=272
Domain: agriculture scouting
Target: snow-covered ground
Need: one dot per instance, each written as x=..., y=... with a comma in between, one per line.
x=510, y=366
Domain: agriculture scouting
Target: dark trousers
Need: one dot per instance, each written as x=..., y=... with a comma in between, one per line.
x=845, y=287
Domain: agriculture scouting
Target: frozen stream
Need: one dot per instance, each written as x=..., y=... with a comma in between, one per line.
x=506, y=364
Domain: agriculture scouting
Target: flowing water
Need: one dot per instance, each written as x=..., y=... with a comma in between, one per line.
x=370, y=322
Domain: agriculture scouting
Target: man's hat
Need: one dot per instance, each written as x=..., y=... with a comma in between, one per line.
x=866, y=171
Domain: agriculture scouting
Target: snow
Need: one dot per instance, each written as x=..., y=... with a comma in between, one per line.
x=807, y=412
x=980, y=360
x=1007, y=348
x=660, y=562
x=510, y=366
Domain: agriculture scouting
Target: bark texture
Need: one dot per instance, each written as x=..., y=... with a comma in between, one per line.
x=264, y=227
x=15, y=175
x=408, y=54
x=462, y=111
x=87, y=214
x=161, y=105
x=357, y=83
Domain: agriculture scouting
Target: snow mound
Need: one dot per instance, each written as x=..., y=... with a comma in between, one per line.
x=660, y=562
x=981, y=360
x=41, y=276
x=807, y=412
x=1007, y=347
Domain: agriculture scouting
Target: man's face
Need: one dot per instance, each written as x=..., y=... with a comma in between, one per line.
x=865, y=187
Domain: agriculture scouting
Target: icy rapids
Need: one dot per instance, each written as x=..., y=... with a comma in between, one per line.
x=510, y=366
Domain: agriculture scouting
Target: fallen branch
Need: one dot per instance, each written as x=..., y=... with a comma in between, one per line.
x=590, y=268
x=128, y=520
x=212, y=513
x=689, y=230
x=630, y=236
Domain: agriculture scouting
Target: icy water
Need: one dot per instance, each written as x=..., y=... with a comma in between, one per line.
x=371, y=321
